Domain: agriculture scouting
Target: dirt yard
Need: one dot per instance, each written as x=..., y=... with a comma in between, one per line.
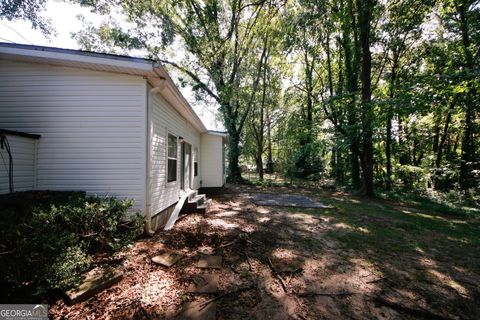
x=357, y=260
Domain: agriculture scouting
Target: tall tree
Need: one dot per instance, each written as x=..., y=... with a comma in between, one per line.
x=462, y=8
x=365, y=11
x=401, y=33
x=222, y=40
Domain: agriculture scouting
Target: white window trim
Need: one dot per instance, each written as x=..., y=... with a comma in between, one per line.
x=195, y=159
x=174, y=182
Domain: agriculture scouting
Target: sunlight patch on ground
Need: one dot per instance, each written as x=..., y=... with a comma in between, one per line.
x=154, y=290
x=249, y=228
x=432, y=217
x=461, y=240
x=447, y=280
x=264, y=219
x=282, y=253
x=363, y=230
x=227, y=214
x=342, y=225
x=419, y=250
x=460, y=269
x=426, y=262
x=263, y=210
x=222, y=224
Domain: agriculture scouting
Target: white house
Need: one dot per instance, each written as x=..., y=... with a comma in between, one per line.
x=104, y=124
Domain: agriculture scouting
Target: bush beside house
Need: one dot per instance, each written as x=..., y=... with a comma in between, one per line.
x=51, y=238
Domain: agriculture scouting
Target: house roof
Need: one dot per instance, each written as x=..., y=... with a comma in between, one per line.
x=154, y=72
x=222, y=134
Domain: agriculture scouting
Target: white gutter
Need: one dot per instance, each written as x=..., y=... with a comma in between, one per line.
x=148, y=205
x=78, y=57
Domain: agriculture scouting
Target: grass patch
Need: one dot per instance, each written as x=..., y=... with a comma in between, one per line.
x=390, y=228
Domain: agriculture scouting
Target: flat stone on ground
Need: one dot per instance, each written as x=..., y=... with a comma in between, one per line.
x=95, y=281
x=193, y=311
x=167, y=259
x=203, y=283
x=210, y=262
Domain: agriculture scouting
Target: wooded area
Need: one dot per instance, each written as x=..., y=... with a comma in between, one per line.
x=378, y=95
x=327, y=102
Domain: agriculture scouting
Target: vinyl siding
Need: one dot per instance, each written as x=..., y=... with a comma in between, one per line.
x=23, y=154
x=211, y=165
x=164, y=120
x=93, y=126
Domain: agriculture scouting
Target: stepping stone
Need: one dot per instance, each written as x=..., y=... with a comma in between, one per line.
x=95, y=281
x=167, y=259
x=204, y=283
x=193, y=311
x=210, y=262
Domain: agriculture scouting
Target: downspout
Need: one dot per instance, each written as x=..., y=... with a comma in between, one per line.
x=148, y=206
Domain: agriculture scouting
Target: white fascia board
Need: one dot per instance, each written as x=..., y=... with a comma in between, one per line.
x=217, y=133
x=73, y=57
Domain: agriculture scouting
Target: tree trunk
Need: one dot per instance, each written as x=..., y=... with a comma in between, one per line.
x=365, y=8
x=233, y=155
x=388, y=152
x=351, y=60
x=467, y=179
x=436, y=136
x=388, y=142
x=355, y=164
x=468, y=147
x=443, y=139
x=303, y=161
x=269, y=144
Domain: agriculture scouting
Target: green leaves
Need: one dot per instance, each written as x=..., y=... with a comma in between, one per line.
x=55, y=245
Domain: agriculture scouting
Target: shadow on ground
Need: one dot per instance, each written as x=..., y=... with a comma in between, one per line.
x=360, y=259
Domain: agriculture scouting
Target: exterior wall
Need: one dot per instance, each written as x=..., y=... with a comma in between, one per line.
x=24, y=155
x=163, y=120
x=211, y=161
x=93, y=126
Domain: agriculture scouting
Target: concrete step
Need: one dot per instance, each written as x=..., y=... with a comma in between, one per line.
x=204, y=207
x=193, y=194
x=198, y=199
x=196, y=203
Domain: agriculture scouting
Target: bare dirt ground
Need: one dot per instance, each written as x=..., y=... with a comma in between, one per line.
x=359, y=260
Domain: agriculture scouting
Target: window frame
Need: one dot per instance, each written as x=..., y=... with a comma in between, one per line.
x=195, y=161
x=171, y=182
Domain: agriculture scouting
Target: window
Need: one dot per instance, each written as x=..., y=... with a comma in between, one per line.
x=172, y=158
x=195, y=162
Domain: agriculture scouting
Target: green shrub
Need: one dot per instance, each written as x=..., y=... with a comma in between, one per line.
x=95, y=221
x=50, y=249
x=412, y=177
x=66, y=271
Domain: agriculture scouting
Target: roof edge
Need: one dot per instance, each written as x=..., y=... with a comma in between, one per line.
x=100, y=55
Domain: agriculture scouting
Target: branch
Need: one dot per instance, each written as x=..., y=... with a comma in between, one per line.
x=255, y=84
x=194, y=78
x=276, y=274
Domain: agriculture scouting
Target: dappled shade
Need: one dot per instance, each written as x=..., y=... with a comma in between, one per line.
x=357, y=259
